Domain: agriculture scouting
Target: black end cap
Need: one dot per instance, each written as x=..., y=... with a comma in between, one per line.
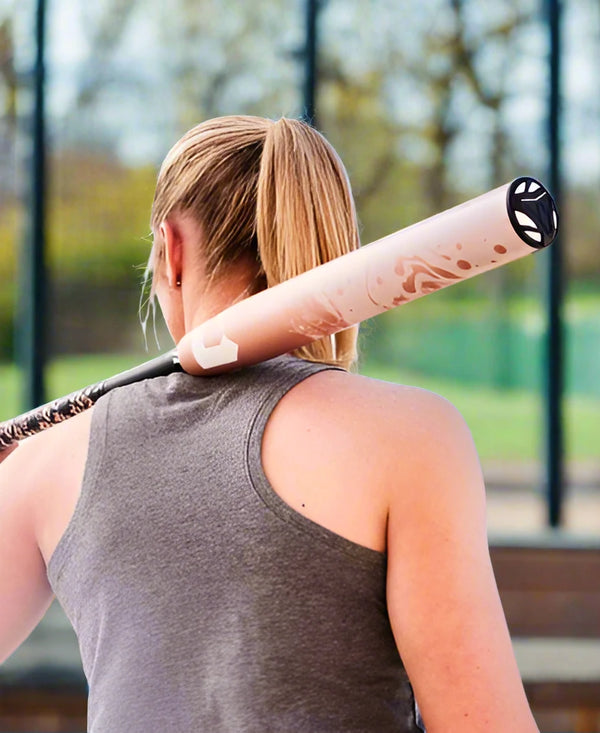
x=532, y=212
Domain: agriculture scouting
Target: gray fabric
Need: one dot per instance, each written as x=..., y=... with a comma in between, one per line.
x=203, y=602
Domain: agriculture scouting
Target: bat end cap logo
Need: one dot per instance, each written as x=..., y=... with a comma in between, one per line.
x=532, y=212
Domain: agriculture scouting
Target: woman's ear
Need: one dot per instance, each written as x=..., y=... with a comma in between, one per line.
x=173, y=251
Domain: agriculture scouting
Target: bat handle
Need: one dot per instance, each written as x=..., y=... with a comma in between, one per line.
x=41, y=418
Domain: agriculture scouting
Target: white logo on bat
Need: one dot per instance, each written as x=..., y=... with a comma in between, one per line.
x=225, y=352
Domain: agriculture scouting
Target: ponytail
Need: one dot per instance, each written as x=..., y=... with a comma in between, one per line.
x=273, y=194
x=305, y=216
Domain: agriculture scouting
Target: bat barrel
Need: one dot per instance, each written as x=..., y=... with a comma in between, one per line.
x=484, y=233
x=489, y=231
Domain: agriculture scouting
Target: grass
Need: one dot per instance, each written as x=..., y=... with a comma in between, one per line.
x=506, y=425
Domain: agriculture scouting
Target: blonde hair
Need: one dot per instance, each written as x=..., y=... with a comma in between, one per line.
x=273, y=191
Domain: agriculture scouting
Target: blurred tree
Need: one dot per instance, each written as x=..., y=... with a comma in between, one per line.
x=8, y=74
x=474, y=54
x=231, y=56
x=104, y=23
x=8, y=107
x=9, y=220
x=386, y=186
x=440, y=76
x=445, y=73
x=428, y=103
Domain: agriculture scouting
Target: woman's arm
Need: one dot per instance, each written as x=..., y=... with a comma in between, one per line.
x=39, y=484
x=442, y=597
x=24, y=590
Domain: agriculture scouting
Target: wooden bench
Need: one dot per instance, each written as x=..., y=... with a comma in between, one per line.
x=550, y=591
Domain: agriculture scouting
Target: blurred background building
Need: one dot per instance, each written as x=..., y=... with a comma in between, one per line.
x=429, y=103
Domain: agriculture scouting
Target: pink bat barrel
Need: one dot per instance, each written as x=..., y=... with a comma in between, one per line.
x=486, y=232
x=482, y=234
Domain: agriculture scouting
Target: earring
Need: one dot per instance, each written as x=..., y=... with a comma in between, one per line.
x=178, y=282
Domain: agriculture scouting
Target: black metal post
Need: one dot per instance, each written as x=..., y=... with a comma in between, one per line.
x=310, y=63
x=31, y=344
x=555, y=284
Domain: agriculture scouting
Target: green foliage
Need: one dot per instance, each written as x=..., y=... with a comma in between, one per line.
x=99, y=214
x=98, y=231
x=9, y=230
x=484, y=340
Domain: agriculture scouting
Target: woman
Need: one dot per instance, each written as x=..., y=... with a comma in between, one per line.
x=290, y=547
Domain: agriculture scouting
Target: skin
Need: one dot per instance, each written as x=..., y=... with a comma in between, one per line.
x=400, y=475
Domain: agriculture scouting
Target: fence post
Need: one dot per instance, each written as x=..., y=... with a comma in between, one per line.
x=555, y=283
x=310, y=62
x=31, y=331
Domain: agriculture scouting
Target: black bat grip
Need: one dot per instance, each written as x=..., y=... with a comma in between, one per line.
x=50, y=414
x=159, y=367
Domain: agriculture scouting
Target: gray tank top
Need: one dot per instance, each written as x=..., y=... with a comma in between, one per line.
x=201, y=600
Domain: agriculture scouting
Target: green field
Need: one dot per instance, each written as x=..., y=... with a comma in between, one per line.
x=505, y=424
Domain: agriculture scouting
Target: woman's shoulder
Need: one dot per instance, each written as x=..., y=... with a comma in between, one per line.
x=359, y=402
x=357, y=450
x=358, y=419
x=48, y=462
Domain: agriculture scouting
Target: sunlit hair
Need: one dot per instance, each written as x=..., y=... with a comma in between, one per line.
x=272, y=192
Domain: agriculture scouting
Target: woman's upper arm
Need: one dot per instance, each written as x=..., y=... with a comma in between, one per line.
x=442, y=598
x=38, y=485
x=24, y=589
